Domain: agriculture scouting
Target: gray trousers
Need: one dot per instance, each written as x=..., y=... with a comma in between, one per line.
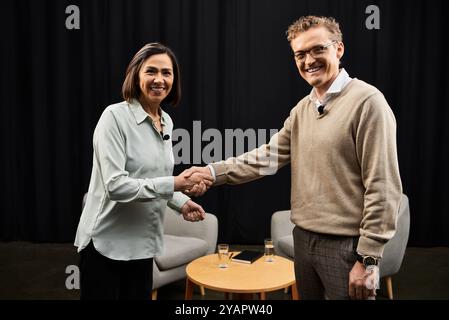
x=322, y=264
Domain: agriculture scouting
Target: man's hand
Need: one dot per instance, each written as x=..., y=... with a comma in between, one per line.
x=192, y=211
x=358, y=283
x=198, y=189
x=193, y=183
x=204, y=170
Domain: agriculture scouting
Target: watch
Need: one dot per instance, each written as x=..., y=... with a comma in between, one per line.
x=367, y=260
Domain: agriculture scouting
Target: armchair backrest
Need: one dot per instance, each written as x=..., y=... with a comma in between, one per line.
x=281, y=226
x=395, y=248
x=174, y=224
x=394, y=251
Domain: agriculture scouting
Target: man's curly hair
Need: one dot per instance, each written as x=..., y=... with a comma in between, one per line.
x=307, y=22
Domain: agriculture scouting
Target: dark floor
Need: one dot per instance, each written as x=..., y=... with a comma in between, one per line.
x=38, y=271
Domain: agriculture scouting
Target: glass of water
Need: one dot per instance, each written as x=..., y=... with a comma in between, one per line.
x=223, y=255
x=269, y=250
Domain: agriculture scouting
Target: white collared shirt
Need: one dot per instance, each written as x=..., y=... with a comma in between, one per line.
x=336, y=87
x=131, y=184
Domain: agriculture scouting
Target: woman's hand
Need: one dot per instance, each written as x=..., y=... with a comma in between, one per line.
x=201, y=188
x=195, y=184
x=192, y=211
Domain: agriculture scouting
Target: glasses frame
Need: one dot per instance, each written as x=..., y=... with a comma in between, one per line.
x=306, y=52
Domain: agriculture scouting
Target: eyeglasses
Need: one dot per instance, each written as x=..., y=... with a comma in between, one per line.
x=315, y=52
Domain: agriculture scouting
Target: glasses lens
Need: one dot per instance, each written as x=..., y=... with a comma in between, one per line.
x=314, y=52
x=300, y=56
x=317, y=51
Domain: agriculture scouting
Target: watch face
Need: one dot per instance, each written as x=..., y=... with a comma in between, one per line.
x=369, y=261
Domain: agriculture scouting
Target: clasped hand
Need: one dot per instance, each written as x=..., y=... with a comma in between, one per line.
x=194, y=181
x=363, y=282
x=192, y=211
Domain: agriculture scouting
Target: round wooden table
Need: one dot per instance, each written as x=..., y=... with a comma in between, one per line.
x=241, y=279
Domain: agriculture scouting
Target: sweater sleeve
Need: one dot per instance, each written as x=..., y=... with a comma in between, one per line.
x=255, y=164
x=377, y=154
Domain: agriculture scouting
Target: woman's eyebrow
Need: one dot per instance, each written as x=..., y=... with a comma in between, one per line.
x=155, y=68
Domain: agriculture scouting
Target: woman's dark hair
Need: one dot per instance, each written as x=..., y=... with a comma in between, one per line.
x=131, y=89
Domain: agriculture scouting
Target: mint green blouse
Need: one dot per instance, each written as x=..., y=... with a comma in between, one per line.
x=131, y=184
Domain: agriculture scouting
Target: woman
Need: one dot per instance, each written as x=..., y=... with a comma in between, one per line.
x=120, y=229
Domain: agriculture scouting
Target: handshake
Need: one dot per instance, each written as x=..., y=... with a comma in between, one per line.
x=194, y=181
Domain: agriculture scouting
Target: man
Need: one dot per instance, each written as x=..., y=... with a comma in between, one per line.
x=346, y=188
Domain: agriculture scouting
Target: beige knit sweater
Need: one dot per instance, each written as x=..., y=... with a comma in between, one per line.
x=344, y=169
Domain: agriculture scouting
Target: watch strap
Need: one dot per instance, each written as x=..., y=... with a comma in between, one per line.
x=367, y=260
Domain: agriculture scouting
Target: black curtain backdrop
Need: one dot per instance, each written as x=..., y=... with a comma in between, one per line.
x=237, y=72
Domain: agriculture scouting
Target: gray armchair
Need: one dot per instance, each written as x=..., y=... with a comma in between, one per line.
x=184, y=242
x=282, y=227
x=395, y=248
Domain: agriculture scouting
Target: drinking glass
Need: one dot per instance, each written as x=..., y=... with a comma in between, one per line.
x=269, y=250
x=223, y=255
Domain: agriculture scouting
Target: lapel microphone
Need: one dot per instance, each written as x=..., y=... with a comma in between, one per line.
x=164, y=136
x=321, y=109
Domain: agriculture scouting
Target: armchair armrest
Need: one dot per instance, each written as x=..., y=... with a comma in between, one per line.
x=207, y=229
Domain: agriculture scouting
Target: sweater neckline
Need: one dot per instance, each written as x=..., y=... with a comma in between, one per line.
x=335, y=98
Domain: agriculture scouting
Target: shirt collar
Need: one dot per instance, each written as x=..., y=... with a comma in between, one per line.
x=336, y=87
x=139, y=113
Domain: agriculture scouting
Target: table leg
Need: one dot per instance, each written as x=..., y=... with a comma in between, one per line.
x=262, y=296
x=189, y=289
x=295, y=294
x=242, y=296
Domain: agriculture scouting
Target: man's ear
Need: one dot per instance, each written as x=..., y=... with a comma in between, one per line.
x=340, y=50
